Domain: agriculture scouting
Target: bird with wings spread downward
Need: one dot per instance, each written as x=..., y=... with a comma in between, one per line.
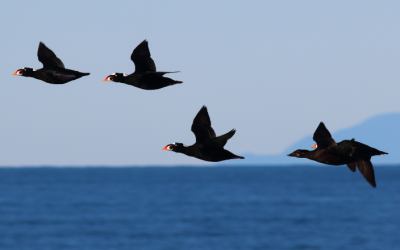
x=350, y=152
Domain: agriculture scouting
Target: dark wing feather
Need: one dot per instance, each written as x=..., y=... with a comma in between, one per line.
x=352, y=166
x=159, y=73
x=322, y=137
x=221, y=140
x=141, y=58
x=61, y=75
x=48, y=58
x=64, y=77
x=201, y=126
x=366, y=169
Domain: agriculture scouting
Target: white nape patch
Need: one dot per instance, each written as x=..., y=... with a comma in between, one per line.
x=124, y=74
x=34, y=69
x=114, y=74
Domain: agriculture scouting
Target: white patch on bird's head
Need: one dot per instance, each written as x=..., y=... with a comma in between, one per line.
x=115, y=74
x=25, y=68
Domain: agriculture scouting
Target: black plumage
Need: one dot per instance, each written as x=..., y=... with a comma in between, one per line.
x=53, y=70
x=208, y=146
x=350, y=152
x=145, y=75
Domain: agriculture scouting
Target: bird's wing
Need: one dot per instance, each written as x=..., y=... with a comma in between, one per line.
x=48, y=58
x=221, y=140
x=322, y=137
x=142, y=59
x=352, y=166
x=159, y=73
x=61, y=76
x=366, y=169
x=201, y=126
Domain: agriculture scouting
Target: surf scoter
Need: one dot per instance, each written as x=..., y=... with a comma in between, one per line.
x=350, y=152
x=53, y=70
x=208, y=147
x=145, y=75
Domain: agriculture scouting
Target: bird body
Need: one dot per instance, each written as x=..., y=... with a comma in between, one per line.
x=207, y=153
x=329, y=157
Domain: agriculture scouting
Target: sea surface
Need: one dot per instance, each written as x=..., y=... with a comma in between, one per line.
x=194, y=208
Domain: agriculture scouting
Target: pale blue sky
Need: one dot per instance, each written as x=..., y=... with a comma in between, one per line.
x=271, y=69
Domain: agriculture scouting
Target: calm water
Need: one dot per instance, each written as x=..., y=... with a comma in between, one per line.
x=218, y=208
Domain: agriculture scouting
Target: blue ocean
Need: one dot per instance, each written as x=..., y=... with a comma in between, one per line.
x=210, y=208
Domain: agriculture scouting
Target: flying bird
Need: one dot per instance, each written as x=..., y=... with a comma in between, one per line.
x=350, y=152
x=145, y=75
x=208, y=146
x=53, y=70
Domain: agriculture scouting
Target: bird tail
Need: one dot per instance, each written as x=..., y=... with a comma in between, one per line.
x=237, y=157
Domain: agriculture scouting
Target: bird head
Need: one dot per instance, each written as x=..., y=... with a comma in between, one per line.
x=24, y=72
x=115, y=77
x=300, y=153
x=176, y=146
